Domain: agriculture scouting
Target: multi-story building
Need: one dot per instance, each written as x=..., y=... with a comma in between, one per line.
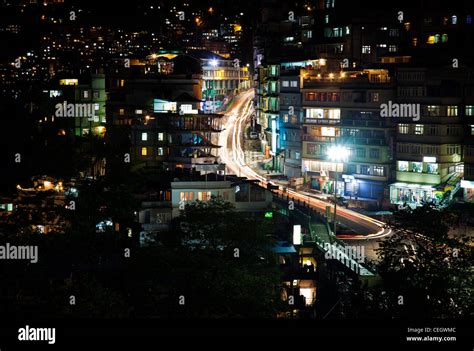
x=429, y=146
x=156, y=111
x=77, y=107
x=344, y=109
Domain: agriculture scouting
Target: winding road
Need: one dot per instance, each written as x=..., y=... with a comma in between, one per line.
x=368, y=230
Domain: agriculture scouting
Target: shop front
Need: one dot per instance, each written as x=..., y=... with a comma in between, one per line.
x=414, y=194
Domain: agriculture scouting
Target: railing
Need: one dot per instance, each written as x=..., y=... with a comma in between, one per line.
x=306, y=215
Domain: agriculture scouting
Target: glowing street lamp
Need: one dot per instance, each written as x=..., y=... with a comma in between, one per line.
x=214, y=63
x=337, y=153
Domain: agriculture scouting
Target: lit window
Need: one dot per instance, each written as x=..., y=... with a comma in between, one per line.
x=285, y=84
x=436, y=38
x=431, y=39
x=144, y=136
x=122, y=112
x=348, y=30
x=454, y=19
x=378, y=171
x=452, y=111
x=392, y=48
x=414, y=42
x=144, y=151
x=432, y=168
x=85, y=94
x=138, y=112
x=328, y=131
x=403, y=166
x=470, y=110
x=160, y=136
x=161, y=151
x=366, y=49
x=472, y=129
x=294, y=84
x=419, y=129
x=417, y=167
x=374, y=97
x=444, y=38
x=403, y=128
x=204, y=195
x=186, y=196
x=326, y=19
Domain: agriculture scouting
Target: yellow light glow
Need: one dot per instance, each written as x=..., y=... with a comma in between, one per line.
x=331, y=75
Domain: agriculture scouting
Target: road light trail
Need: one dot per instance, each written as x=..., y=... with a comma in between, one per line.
x=368, y=229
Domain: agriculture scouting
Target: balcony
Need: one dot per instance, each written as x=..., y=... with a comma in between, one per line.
x=321, y=121
x=319, y=138
x=422, y=178
x=363, y=141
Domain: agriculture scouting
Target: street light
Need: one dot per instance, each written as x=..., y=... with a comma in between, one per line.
x=337, y=153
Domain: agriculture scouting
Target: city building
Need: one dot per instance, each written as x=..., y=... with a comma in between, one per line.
x=343, y=108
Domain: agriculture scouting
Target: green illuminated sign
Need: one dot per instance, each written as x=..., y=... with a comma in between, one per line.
x=268, y=214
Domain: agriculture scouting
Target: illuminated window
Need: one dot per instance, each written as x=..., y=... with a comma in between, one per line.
x=161, y=151
x=160, y=136
x=414, y=42
x=144, y=136
x=432, y=168
x=392, y=48
x=204, y=195
x=444, y=38
x=431, y=39
x=417, y=167
x=470, y=110
x=419, y=129
x=403, y=128
x=366, y=49
x=328, y=131
x=144, y=151
x=378, y=171
x=454, y=19
x=374, y=97
x=403, y=166
x=432, y=110
x=452, y=111
x=85, y=94
x=436, y=38
x=186, y=196
x=326, y=19
x=122, y=112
